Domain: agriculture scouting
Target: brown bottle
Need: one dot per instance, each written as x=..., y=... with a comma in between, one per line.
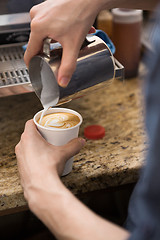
x=127, y=38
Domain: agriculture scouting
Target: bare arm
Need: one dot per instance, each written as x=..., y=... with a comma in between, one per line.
x=39, y=164
x=68, y=218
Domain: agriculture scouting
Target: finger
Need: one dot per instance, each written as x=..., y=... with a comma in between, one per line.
x=36, y=9
x=34, y=46
x=17, y=147
x=68, y=64
x=73, y=147
x=30, y=127
x=33, y=12
x=31, y=130
x=92, y=30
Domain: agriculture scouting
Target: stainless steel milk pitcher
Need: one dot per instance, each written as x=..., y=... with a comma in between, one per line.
x=95, y=68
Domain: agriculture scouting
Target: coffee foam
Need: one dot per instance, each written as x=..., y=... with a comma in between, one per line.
x=59, y=120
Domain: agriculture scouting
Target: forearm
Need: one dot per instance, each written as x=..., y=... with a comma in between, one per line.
x=69, y=219
x=135, y=4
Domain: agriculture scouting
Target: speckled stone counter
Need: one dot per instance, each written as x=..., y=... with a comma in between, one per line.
x=112, y=161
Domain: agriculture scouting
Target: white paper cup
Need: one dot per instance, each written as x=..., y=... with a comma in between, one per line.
x=59, y=136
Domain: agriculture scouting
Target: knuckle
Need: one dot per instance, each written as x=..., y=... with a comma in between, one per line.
x=28, y=127
x=17, y=148
x=35, y=25
x=33, y=11
x=24, y=137
x=28, y=123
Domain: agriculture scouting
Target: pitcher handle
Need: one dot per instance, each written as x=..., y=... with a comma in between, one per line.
x=46, y=46
x=47, y=42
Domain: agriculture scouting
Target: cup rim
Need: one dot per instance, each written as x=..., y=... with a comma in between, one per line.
x=61, y=110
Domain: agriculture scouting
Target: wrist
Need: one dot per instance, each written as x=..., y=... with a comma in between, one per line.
x=50, y=207
x=40, y=192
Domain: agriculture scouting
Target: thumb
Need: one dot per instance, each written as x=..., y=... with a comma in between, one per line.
x=68, y=64
x=73, y=147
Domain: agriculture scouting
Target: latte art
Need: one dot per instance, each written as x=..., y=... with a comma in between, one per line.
x=60, y=120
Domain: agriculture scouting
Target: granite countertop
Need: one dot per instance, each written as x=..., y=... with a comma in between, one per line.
x=112, y=161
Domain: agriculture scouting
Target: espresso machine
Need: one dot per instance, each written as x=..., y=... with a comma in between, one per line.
x=16, y=79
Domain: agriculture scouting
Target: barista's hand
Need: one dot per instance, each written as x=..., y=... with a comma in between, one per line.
x=40, y=162
x=49, y=199
x=66, y=21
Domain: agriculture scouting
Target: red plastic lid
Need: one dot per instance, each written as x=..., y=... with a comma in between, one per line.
x=94, y=132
